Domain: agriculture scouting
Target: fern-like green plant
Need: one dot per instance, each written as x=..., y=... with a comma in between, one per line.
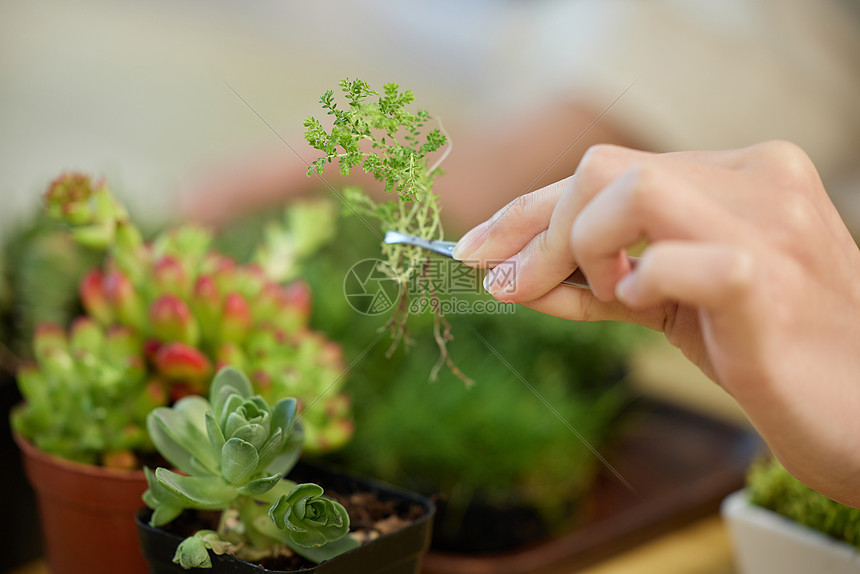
x=376, y=132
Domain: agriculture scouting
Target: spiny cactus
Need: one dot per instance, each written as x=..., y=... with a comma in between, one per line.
x=40, y=268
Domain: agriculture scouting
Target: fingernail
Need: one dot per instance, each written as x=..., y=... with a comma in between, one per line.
x=502, y=278
x=625, y=290
x=470, y=242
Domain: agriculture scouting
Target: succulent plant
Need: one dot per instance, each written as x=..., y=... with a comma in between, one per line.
x=233, y=451
x=196, y=310
x=87, y=395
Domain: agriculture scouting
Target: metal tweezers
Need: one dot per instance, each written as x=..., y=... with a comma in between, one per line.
x=446, y=248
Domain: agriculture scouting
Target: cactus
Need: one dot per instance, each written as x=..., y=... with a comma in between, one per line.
x=40, y=269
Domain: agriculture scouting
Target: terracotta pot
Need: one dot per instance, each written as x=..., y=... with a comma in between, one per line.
x=86, y=514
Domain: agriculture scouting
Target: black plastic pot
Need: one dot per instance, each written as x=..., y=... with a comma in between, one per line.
x=399, y=552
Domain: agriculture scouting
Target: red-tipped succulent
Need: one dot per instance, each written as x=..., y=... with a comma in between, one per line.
x=182, y=310
x=235, y=319
x=125, y=301
x=181, y=362
x=171, y=320
x=94, y=298
x=169, y=276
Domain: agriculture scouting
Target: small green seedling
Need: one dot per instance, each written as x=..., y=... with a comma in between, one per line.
x=376, y=132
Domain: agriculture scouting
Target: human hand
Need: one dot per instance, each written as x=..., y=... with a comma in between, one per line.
x=748, y=269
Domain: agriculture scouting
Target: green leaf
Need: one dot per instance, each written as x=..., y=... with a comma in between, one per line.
x=213, y=431
x=254, y=434
x=98, y=236
x=283, y=457
x=260, y=485
x=308, y=538
x=283, y=414
x=214, y=542
x=197, y=468
x=235, y=421
x=230, y=406
x=195, y=491
x=192, y=553
x=180, y=431
x=164, y=514
x=165, y=505
x=238, y=460
x=278, y=511
x=226, y=382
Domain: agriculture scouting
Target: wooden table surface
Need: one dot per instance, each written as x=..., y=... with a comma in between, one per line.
x=701, y=548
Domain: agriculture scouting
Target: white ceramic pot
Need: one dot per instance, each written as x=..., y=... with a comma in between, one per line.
x=765, y=542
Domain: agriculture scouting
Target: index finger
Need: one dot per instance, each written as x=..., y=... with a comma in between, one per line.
x=547, y=258
x=510, y=228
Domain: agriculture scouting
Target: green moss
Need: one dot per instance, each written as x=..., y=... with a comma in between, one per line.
x=771, y=486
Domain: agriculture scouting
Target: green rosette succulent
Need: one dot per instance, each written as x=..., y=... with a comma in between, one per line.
x=312, y=519
x=232, y=452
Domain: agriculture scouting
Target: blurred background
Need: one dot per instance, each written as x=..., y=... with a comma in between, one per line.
x=193, y=110
x=144, y=93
